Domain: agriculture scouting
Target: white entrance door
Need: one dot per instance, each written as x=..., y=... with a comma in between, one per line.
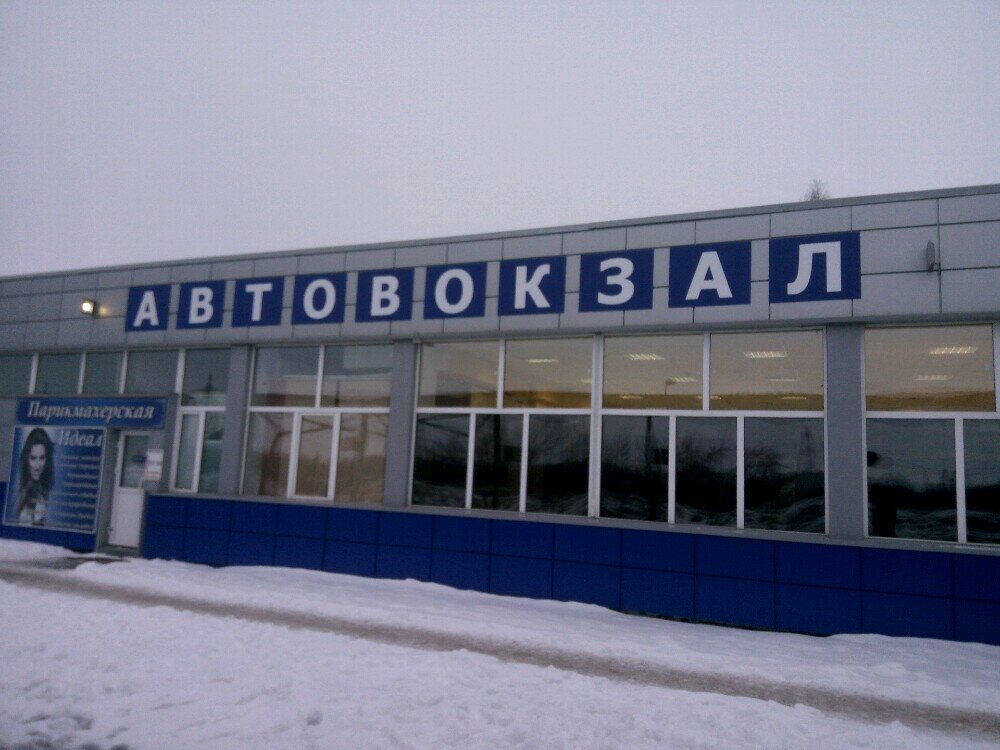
x=126, y=507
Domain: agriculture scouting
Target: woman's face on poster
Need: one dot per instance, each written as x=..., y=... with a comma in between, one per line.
x=37, y=457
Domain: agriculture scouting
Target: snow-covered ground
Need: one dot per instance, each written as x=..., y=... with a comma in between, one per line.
x=86, y=671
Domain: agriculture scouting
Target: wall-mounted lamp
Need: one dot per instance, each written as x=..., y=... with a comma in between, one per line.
x=933, y=259
x=88, y=307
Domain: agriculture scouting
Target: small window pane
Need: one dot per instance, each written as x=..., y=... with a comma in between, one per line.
x=911, y=478
x=57, y=373
x=312, y=475
x=356, y=375
x=982, y=480
x=496, y=478
x=211, y=452
x=773, y=371
x=206, y=377
x=286, y=376
x=462, y=373
x=558, y=464
x=102, y=372
x=361, y=458
x=635, y=467
x=706, y=471
x=440, y=460
x=151, y=372
x=187, y=449
x=944, y=368
x=15, y=372
x=653, y=372
x=784, y=475
x=268, y=448
x=548, y=373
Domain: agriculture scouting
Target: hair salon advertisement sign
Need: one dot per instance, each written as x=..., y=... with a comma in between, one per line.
x=55, y=477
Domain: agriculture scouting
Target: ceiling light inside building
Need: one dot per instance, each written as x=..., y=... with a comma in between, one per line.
x=766, y=355
x=541, y=360
x=645, y=357
x=954, y=349
x=928, y=378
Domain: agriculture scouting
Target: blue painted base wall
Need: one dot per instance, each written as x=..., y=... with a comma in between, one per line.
x=69, y=539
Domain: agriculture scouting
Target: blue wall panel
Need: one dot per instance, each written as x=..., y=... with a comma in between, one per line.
x=906, y=615
x=734, y=602
x=250, y=549
x=797, y=586
x=658, y=592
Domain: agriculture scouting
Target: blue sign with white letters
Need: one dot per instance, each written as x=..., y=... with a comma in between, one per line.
x=201, y=304
x=820, y=267
x=384, y=295
x=616, y=281
x=457, y=291
x=148, y=308
x=257, y=302
x=531, y=286
x=705, y=275
x=319, y=298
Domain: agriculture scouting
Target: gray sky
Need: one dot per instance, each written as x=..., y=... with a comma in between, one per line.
x=134, y=132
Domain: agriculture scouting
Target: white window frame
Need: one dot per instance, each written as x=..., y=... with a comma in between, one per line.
x=200, y=412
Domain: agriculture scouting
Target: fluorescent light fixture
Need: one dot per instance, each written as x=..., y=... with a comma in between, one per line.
x=766, y=355
x=586, y=381
x=542, y=360
x=954, y=349
x=782, y=380
x=682, y=379
x=630, y=397
x=930, y=378
x=645, y=357
x=793, y=398
x=88, y=306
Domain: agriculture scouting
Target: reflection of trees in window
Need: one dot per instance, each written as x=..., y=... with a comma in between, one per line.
x=440, y=458
x=558, y=464
x=982, y=480
x=706, y=471
x=361, y=462
x=635, y=466
x=784, y=481
x=496, y=482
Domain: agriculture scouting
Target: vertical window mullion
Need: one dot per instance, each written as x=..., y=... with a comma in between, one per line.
x=331, y=492
x=672, y=473
x=179, y=374
x=470, y=459
x=523, y=500
x=962, y=527
x=705, y=363
x=740, y=473
x=293, y=454
x=501, y=367
x=596, y=377
x=319, y=376
x=996, y=366
x=199, y=447
x=82, y=373
x=33, y=375
x=123, y=372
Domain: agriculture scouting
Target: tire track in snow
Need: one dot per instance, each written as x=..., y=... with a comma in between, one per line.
x=872, y=709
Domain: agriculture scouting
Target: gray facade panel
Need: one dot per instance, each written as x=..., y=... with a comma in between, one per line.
x=659, y=235
x=321, y=263
x=488, y=323
x=319, y=331
x=74, y=333
x=493, y=279
x=757, y=310
x=77, y=281
x=44, y=307
x=235, y=269
x=146, y=338
x=417, y=326
x=422, y=255
x=735, y=228
x=661, y=267
x=827, y=310
x=419, y=287
x=111, y=302
x=15, y=287
x=594, y=241
x=970, y=245
x=152, y=275
x=108, y=279
x=573, y=318
x=351, y=290
x=234, y=424
x=42, y=335
x=284, y=266
x=107, y=332
x=661, y=313
x=889, y=215
x=472, y=252
x=12, y=336
x=69, y=304
x=974, y=291
x=370, y=260
x=759, y=269
x=572, y=276
x=45, y=285
x=896, y=250
x=970, y=208
x=525, y=324
x=354, y=329
x=399, y=439
x=191, y=336
x=845, y=432
x=189, y=272
x=816, y=221
x=13, y=309
x=532, y=246
x=895, y=294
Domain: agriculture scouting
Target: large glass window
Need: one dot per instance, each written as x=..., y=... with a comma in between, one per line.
x=548, y=373
x=269, y=449
x=635, y=467
x=334, y=404
x=982, y=480
x=441, y=460
x=496, y=481
x=780, y=370
x=152, y=372
x=558, y=464
x=206, y=377
x=706, y=470
x=653, y=372
x=459, y=374
x=57, y=373
x=940, y=368
x=203, y=402
x=102, y=372
x=15, y=374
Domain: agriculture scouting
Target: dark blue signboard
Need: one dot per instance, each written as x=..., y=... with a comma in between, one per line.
x=532, y=286
x=385, y=295
x=616, y=281
x=820, y=267
x=319, y=298
x=147, y=308
x=119, y=413
x=55, y=478
x=703, y=275
x=201, y=304
x=257, y=302
x=457, y=291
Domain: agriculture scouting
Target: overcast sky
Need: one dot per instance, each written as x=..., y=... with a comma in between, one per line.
x=142, y=131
